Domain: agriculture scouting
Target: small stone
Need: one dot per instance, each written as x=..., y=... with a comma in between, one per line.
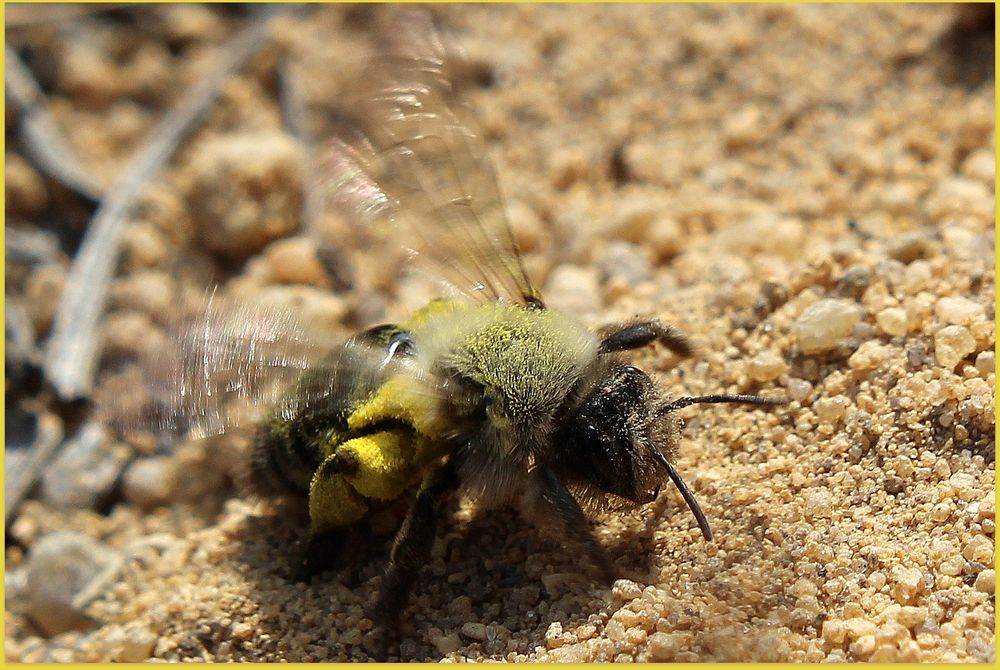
x=863, y=646
x=981, y=165
x=830, y=410
x=894, y=485
x=909, y=247
x=825, y=324
x=986, y=581
x=151, y=482
x=817, y=503
x=474, y=631
x=665, y=237
x=242, y=631
x=567, y=165
x=573, y=290
x=293, y=260
x=869, y=355
x=245, y=191
x=958, y=311
x=892, y=321
x=60, y=566
x=664, y=646
x=952, y=344
x=857, y=627
x=85, y=471
x=979, y=549
x=625, y=590
x=898, y=198
x=525, y=225
x=446, y=644
x=986, y=363
x=136, y=646
x=42, y=293
x=987, y=506
x=625, y=260
x=953, y=565
x=555, y=637
x=957, y=196
x=766, y=366
x=907, y=584
x=24, y=188
x=799, y=389
x=743, y=128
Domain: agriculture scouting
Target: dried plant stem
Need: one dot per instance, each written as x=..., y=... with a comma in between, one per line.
x=72, y=352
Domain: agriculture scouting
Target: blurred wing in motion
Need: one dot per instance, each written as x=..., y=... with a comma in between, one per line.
x=222, y=369
x=410, y=154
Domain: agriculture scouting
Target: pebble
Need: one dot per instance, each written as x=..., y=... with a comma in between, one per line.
x=85, y=471
x=952, y=344
x=626, y=261
x=986, y=363
x=898, y=197
x=573, y=289
x=869, y=355
x=981, y=165
x=151, y=482
x=555, y=637
x=907, y=584
x=766, y=366
x=149, y=292
x=245, y=191
x=831, y=410
x=24, y=189
x=743, y=128
x=959, y=195
x=136, y=646
x=960, y=311
x=825, y=324
x=474, y=630
x=892, y=321
x=979, y=549
x=664, y=646
x=799, y=390
x=986, y=581
x=42, y=292
x=294, y=261
x=60, y=566
x=909, y=247
x=446, y=644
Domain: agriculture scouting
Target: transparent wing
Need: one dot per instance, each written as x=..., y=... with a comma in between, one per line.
x=220, y=369
x=409, y=152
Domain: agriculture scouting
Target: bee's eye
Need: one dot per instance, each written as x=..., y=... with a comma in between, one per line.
x=401, y=344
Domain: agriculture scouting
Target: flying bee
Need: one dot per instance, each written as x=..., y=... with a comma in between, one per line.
x=488, y=391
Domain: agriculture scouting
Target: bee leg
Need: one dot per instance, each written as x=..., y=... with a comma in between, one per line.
x=334, y=506
x=410, y=550
x=323, y=551
x=644, y=333
x=574, y=521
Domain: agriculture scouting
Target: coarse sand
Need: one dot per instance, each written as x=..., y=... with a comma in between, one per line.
x=805, y=190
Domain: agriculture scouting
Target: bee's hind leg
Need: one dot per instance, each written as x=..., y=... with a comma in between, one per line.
x=643, y=333
x=410, y=551
x=574, y=521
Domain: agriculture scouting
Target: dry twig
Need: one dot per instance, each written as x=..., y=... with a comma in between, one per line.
x=72, y=352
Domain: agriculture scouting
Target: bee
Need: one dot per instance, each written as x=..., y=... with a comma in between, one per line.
x=488, y=391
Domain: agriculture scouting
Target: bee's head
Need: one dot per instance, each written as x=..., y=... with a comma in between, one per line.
x=609, y=439
x=619, y=438
x=620, y=435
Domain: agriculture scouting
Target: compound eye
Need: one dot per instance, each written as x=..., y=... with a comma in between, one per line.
x=400, y=344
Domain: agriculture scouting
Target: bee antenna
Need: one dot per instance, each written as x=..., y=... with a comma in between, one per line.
x=689, y=498
x=741, y=399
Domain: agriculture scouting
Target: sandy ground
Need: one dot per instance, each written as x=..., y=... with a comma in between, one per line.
x=807, y=191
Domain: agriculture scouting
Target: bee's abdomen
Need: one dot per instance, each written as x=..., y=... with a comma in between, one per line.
x=281, y=462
